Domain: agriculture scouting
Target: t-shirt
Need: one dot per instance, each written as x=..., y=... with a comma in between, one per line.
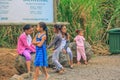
x=79, y=40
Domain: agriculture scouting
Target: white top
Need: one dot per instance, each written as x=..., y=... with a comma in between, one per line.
x=63, y=43
x=29, y=40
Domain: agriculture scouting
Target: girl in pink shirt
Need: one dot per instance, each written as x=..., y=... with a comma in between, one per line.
x=79, y=39
x=25, y=46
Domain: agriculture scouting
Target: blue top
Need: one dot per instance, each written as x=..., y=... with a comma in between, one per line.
x=41, y=53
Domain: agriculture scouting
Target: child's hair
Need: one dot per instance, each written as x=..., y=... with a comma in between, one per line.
x=66, y=34
x=26, y=27
x=57, y=27
x=43, y=25
x=78, y=31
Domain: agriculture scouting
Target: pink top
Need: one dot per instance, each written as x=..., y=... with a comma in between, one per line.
x=79, y=40
x=23, y=44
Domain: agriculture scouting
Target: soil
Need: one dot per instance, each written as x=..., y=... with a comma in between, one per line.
x=7, y=58
x=99, y=68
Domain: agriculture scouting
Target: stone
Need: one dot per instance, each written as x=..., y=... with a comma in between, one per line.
x=16, y=77
x=20, y=64
x=88, y=51
x=28, y=75
x=24, y=76
x=63, y=58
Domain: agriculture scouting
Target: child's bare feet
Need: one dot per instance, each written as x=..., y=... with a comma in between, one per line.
x=46, y=78
x=35, y=79
x=40, y=73
x=78, y=63
x=61, y=71
x=86, y=62
x=71, y=66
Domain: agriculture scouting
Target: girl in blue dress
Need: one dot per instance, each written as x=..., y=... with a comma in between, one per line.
x=41, y=52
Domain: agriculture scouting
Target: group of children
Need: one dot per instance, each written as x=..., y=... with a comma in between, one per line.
x=60, y=42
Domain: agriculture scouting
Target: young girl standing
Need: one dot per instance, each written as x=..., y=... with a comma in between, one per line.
x=79, y=39
x=65, y=44
x=41, y=52
x=57, y=48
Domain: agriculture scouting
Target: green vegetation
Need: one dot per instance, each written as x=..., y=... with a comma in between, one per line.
x=94, y=16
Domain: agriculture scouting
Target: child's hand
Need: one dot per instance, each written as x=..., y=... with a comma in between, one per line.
x=52, y=49
x=78, y=48
x=64, y=51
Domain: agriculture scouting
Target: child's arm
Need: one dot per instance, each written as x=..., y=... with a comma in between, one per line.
x=75, y=39
x=24, y=41
x=34, y=41
x=83, y=39
x=42, y=41
x=53, y=42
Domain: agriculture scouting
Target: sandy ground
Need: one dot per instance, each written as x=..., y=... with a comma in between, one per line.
x=99, y=68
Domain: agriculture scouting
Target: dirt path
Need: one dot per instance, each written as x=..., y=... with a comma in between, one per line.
x=99, y=68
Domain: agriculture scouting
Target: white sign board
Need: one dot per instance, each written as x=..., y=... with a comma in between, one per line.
x=26, y=11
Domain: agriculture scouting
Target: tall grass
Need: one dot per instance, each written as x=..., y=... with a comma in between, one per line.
x=81, y=14
x=94, y=16
x=91, y=15
x=9, y=35
x=110, y=12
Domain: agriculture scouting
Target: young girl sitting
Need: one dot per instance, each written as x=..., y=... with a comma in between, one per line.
x=25, y=46
x=79, y=39
x=65, y=44
x=41, y=52
x=57, y=49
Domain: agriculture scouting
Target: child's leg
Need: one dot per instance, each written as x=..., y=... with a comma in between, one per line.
x=83, y=54
x=36, y=73
x=45, y=72
x=55, y=58
x=78, y=55
x=27, y=56
x=69, y=52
